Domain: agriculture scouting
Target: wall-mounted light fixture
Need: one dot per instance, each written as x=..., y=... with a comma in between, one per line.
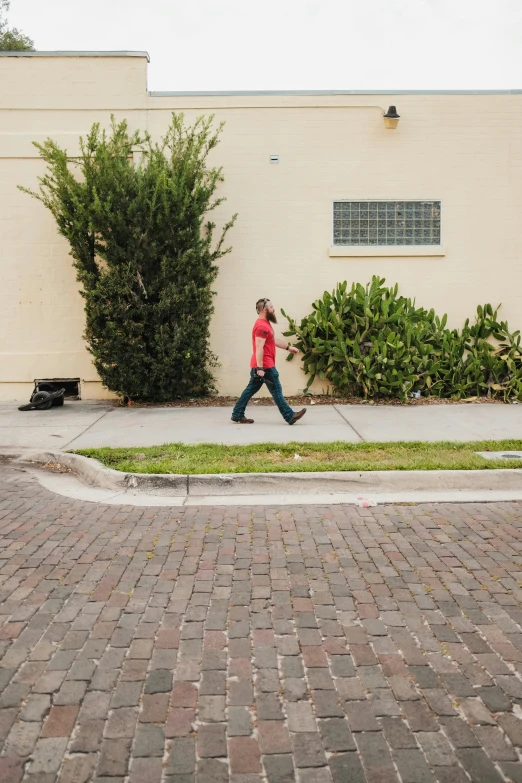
x=391, y=118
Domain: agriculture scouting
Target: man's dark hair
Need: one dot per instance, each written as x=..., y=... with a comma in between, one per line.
x=261, y=304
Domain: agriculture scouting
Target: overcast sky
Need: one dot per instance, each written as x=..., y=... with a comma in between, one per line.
x=294, y=44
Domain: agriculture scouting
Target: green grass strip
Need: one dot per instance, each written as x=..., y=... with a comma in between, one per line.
x=280, y=458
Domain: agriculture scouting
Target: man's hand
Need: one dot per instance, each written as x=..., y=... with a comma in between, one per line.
x=260, y=373
x=293, y=349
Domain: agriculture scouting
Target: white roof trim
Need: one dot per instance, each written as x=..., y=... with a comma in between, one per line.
x=229, y=93
x=75, y=54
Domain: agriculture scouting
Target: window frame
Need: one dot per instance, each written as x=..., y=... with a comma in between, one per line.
x=379, y=249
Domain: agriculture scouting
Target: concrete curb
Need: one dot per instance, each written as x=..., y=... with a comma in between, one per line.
x=351, y=482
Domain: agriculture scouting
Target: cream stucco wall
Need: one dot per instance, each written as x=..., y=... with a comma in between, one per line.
x=463, y=149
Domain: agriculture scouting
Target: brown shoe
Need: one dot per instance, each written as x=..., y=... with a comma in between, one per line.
x=243, y=421
x=298, y=416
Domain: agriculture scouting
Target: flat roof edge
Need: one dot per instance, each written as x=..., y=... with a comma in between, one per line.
x=239, y=93
x=75, y=54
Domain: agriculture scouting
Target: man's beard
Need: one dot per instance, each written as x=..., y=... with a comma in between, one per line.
x=271, y=317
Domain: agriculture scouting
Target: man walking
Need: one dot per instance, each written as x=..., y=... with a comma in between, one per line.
x=262, y=366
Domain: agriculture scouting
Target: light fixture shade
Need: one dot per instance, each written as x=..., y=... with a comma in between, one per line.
x=391, y=118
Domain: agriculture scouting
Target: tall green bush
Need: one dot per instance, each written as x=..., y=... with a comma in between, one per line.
x=368, y=341
x=144, y=252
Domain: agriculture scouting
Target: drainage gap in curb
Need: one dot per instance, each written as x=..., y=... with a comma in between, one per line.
x=500, y=455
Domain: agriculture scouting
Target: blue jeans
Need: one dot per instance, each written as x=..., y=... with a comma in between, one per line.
x=273, y=385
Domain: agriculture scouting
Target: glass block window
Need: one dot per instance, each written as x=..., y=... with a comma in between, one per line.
x=386, y=223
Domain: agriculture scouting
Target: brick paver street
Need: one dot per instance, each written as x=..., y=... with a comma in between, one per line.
x=251, y=644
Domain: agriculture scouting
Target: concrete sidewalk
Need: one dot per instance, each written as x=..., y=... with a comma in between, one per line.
x=96, y=424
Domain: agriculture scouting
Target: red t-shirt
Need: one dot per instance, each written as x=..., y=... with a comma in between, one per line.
x=263, y=328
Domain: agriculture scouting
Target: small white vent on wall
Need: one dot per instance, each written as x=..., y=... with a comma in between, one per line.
x=274, y=158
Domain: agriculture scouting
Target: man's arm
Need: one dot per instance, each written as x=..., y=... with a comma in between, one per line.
x=260, y=344
x=286, y=346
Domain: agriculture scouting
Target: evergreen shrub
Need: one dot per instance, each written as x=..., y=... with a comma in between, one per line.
x=135, y=214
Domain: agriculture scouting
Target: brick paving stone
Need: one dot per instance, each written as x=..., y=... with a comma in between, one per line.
x=211, y=709
x=214, y=659
x=49, y=682
x=347, y=767
x=95, y=705
x=149, y=741
x=179, y=722
x=11, y=769
x=309, y=644
x=181, y=756
x=460, y=733
x=314, y=656
x=35, y=708
x=88, y=737
x=184, y=694
x=127, y=694
x=279, y=769
x=494, y=743
x=267, y=681
x=239, y=722
x=273, y=737
x=60, y=721
x=159, y=681
x=397, y=733
x=320, y=679
x=326, y=704
x=350, y=689
x=437, y=749
x=154, y=708
x=315, y=775
x=513, y=728
x=511, y=685
x=21, y=739
x=308, y=750
x=419, y=716
x=79, y=769
x=210, y=771
x=292, y=667
x=438, y=701
x=478, y=765
x=363, y=655
x=265, y=657
x=512, y=771
x=7, y=718
x=211, y=741
x=268, y=707
x=148, y=770
x=413, y=767
x=114, y=757
x=375, y=755
x=476, y=713
x=494, y=698
x=47, y=756
x=244, y=755
x=336, y=735
x=295, y=689
x=287, y=645
x=384, y=703
x=301, y=717
x=213, y=683
x=361, y=716
x=452, y=774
